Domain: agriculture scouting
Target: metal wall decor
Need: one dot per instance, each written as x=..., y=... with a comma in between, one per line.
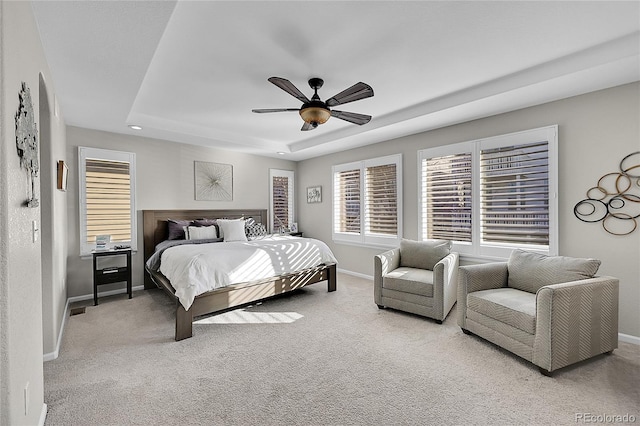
x=615, y=200
x=27, y=143
x=213, y=181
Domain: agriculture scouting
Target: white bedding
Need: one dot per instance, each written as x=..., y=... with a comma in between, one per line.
x=194, y=269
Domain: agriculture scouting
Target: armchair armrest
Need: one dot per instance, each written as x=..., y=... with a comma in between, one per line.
x=383, y=263
x=575, y=321
x=446, y=271
x=484, y=276
x=472, y=278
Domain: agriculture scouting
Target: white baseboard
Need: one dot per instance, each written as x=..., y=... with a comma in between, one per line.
x=104, y=293
x=355, y=274
x=53, y=355
x=629, y=339
x=43, y=415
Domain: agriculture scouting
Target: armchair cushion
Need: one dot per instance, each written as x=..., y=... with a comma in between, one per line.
x=510, y=306
x=423, y=254
x=530, y=271
x=410, y=280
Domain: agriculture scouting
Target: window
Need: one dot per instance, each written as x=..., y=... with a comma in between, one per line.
x=447, y=187
x=282, y=199
x=492, y=195
x=107, y=197
x=367, y=201
x=347, y=201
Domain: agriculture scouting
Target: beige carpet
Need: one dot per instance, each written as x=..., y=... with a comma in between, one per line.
x=313, y=358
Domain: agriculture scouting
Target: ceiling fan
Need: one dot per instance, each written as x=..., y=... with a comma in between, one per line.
x=314, y=111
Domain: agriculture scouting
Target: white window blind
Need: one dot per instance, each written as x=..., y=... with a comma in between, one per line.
x=446, y=186
x=281, y=200
x=382, y=200
x=367, y=204
x=108, y=200
x=492, y=195
x=347, y=201
x=515, y=194
x=281, y=188
x=107, y=197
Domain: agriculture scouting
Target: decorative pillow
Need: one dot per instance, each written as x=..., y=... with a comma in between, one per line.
x=205, y=222
x=201, y=232
x=423, y=254
x=255, y=230
x=176, y=229
x=529, y=271
x=232, y=229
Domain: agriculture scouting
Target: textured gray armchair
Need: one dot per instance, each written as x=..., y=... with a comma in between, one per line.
x=420, y=277
x=550, y=310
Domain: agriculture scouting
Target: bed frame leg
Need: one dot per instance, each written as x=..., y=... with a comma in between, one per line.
x=184, y=323
x=332, y=280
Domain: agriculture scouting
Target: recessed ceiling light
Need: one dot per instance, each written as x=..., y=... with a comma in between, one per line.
x=281, y=153
x=135, y=127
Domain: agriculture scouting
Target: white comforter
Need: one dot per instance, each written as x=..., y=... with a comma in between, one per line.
x=198, y=268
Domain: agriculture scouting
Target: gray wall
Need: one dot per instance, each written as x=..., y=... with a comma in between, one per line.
x=23, y=310
x=595, y=132
x=164, y=180
x=54, y=222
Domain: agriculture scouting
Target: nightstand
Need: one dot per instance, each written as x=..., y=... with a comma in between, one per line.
x=112, y=274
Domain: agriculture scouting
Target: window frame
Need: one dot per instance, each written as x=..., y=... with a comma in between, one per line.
x=477, y=249
x=290, y=175
x=364, y=238
x=107, y=155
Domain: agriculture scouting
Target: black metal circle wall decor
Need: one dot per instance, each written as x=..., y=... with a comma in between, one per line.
x=615, y=200
x=27, y=143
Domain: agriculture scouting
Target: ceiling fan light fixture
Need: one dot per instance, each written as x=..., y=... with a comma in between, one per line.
x=314, y=111
x=315, y=114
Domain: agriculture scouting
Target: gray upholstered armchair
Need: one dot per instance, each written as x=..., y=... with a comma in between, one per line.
x=420, y=277
x=550, y=310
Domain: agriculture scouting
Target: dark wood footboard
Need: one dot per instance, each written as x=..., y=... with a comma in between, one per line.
x=237, y=295
x=243, y=294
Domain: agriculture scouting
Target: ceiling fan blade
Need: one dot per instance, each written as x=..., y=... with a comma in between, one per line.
x=288, y=87
x=307, y=126
x=351, y=117
x=260, y=111
x=354, y=93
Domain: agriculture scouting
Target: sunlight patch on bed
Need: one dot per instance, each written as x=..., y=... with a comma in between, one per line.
x=242, y=316
x=288, y=256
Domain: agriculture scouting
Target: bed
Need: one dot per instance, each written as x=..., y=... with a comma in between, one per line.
x=155, y=231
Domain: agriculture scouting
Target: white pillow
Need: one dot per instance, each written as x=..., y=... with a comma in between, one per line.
x=232, y=229
x=201, y=232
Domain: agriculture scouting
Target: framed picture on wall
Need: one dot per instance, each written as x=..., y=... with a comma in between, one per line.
x=314, y=194
x=213, y=181
x=63, y=174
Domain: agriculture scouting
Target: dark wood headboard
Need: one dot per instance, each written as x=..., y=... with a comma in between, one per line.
x=155, y=225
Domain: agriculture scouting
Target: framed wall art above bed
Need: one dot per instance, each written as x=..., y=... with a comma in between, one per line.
x=213, y=181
